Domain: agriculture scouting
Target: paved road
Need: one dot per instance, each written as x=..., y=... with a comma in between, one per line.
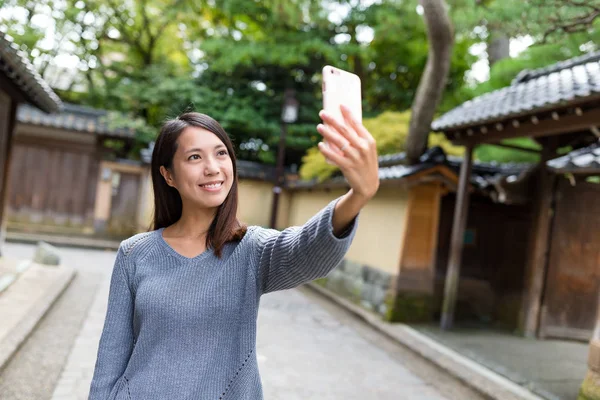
x=34, y=371
x=307, y=347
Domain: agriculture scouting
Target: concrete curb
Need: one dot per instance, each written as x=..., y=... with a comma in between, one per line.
x=16, y=336
x=68, y=241
x=474, y=375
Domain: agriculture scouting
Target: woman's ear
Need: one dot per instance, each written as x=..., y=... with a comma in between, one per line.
x=167, y=175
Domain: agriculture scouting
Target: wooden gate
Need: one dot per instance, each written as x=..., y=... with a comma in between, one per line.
x=51, y=188
x=124, y=204
x=573, y=281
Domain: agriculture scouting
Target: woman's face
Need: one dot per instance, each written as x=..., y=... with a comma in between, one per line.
x=202, y=169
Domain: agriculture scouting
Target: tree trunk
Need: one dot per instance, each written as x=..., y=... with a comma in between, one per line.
x=498, y=47
x=590, y=389
x=433, y=81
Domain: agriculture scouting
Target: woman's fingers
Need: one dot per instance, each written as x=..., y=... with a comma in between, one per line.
x=339, y=126
x=337, y=139
x=334, y=156
x=358, y=156
x=331, y=136
x=352, y=121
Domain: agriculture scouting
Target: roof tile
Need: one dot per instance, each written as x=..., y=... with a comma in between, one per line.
x=529, y=91
x=17, y=67
x=587, y=159
x=73, y=117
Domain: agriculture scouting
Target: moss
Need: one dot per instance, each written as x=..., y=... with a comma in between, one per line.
x=321, y=282
x=354, y=295
x=410, y=307
x=341, y=289
x=507, y=311
x=590, y=388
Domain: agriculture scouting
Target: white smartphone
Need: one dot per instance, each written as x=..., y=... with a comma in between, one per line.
x=340, y=87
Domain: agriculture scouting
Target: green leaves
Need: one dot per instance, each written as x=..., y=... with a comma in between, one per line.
x=390, y=130
x=233, y=59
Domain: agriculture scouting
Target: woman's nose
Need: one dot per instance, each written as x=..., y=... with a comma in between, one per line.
x=211, y=167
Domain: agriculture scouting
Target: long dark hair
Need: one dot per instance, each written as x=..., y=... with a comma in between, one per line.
x=168, y=206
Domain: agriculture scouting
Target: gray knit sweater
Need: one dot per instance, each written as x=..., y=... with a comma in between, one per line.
x=180, y=328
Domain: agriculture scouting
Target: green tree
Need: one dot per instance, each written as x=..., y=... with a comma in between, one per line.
x=277, y=48
x=233, y=59
x=432, y=82
x=390, y=130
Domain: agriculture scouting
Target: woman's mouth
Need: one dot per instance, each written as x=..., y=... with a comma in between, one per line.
x=212, y=187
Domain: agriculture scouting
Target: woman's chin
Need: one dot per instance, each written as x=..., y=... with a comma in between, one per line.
x=214, y=202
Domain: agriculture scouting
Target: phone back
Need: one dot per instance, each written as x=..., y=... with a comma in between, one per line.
x=341, y=87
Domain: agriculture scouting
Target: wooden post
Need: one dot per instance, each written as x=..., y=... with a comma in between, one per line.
x=461, y=209
x=6, y=143
x=590, y=388
x=103, y=204
x=414, y=288
x=279, y=176
x=538, y=253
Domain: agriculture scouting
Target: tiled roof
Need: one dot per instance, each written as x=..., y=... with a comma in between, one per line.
x=529, y=74
x=529, y=92
x=254, y=170
x=73, y=117
x=146, y=153
x=391, y=159
x=582, y=160
x=15, y=64
x=489, y=168
x=391, y=167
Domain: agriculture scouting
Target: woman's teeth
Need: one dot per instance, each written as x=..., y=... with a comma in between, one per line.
x=213, y=185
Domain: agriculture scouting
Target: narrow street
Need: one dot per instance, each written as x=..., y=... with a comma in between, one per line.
x=307, y=347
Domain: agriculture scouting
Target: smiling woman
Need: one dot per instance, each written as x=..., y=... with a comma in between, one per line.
x=195, y=190
x=183, y=300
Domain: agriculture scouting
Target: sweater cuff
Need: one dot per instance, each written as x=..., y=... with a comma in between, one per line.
x=350, y=229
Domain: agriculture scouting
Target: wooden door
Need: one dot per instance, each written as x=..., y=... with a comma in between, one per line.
x=50, y=188
x=571, y=296
x=124, y=204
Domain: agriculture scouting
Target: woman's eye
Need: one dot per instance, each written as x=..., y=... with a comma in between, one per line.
x=194, y=157
x=222, y=152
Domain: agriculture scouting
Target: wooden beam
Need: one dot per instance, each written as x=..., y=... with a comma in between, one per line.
x=12, y=90
x=594, y=355
x=513, y=147
x=583, y=120
x=591, y=383
x=539, y=242
x=416, y=271
x=438, y=169
x=6, y=143
x=591, y=171
x=456, y=244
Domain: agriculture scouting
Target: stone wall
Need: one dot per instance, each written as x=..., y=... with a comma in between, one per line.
x=361, y=284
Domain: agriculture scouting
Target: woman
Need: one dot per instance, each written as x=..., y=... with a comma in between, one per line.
x=183, y=300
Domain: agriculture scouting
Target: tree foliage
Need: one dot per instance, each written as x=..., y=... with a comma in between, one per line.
x=231, y=59
x=390, y=130
x=547, y=21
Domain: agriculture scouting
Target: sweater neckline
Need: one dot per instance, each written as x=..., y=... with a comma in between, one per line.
x=175, y=253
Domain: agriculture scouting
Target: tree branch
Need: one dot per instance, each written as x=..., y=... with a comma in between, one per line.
x=123, y=31
x=578, y=23
x=433, y=81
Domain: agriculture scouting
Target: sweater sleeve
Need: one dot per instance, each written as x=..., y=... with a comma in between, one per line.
x=116, y=341
x=300, y=254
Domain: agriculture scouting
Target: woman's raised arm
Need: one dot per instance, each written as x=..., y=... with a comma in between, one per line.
x=300, y=254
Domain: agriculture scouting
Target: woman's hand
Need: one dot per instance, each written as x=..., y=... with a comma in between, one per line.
x=357, y=158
